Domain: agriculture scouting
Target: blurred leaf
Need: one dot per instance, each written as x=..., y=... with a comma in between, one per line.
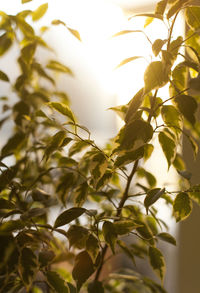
x=5, y=43
x=57, y=66
x=75, y=33
x=152, y=196
x=157, y=46
x=95, y=287
x=83, y=268
x=171, y=116
x=3, y=76
x=77, y=236
x=68, y=216
x=134, y=105
x=25, y=1
x=78, y=146
x=185, y=174
x=195, y=193
x=92, y=247
x=127, y=60
x=123, y=227
x=28, y=52
x=13, y=143
x=126, y=250
x=157, y=261
x=155, y=76
x=160, y=7
x=27, y=266
x=167, y=238
x=142, y=173
x=80, y=194
x=128, y=157
x=55, y=142
x=46, y=256
x=120, y=110
x=105, y=179
x=11, y=226
x=187, y=105
x=39, y=12
x=153, y=15
x=63, y=109
x=57, y=283
x=175, y=8
x=182, y=206
x=6, y=204
x=148, y=149
x=192, y=17
x=34, y=212
x=109, y=234
x=168, y=146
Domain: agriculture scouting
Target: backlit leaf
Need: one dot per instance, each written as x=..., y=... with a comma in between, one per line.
x=157, y=46
x=187, y=105
x=80, y=194
x=153, y=15
x=126, y=250
x=134, y=105
x=192, y=17
x=123, y=227
x=127, y=60
x=3, y=76
x=98, y=165
x=55, y=142
x=167, y=238
x=168, y=146
x=182, y=206
x=174, y=8
x=142, y=173
x=39, y=12
x=63, y=109
x=78, y=146
x=155, y=76
x=92, y=247
x=27, y=266
x=25, y=1
x=5, y=43
x=57, y=66
x=57, y=283
x=160, y=7
x=13, y=143
x=127, y=157
x=152, y=196
x=157, y=261
x=75, y=33
x=28, y=52
x=195, y=193
x=83, y=268
x=77, y=236
x=68, y=216
x=11, y=226
x=109, y=234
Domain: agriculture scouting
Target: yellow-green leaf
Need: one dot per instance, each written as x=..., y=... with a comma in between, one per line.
x=3, y=76
x=182, y=206
x=39, y=12
x=157, y=261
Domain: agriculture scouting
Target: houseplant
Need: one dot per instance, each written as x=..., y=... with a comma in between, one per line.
x=57, y=165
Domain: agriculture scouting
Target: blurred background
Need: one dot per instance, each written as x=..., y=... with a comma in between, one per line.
x=98, y=85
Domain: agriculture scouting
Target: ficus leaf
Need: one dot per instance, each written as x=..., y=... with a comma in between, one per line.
x=92, y=247
x=11, y=226
x=123, y=227
x=134, y=105
x=83, y=268
x=157, y=46
x=57, y=283
x=168, y=146
x=126, y=250
x=39, y=12
x=160, y=7
x=95, y=287
x=192, y=17
x=68, y=216
x=152, y=196
x=3, y=76
x=182, y=206
x=187, y=105
x=153, y=15
x=77, y=236
x=175, y=8
x=13, y=143
x=5, y=43
x=127, y=157
x=80, y=194
x=63, y=109
x=167, y=238
x=127, y=60
x=195, y=193
x=109, y=234
x=157, y=261
x=25, y=1
x=57, y=66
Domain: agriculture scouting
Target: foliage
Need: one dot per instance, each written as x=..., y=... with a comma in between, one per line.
x=57, y=167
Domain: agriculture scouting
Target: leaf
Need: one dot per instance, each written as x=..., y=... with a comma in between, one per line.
x=98, y=165
x=155, y=76
x=25, y=1
x=148, y=21
x=11, y=226
x=28, y=52
x=75, y=33
x=57, y=283
x=12, y=144
x=171, y=116
x=192, y=17
x=167, y=238
x=5, y=43
x=168, y=146
x=127, y=60
x=63, y=109
x=126, y=250
x=3, y=76
x=27, y=266
x=95, y=287
x=39, y=12
x=123, y=227
x=6, y=204
x=105, y=179
x=109, y=234
x=68, y=216
x=152, y=196
x=83, y=268
x=142, y=173
x=195, y=193
x=157, y=261
x=157, y=46
x=146, y=233
x=182, y=206
x=55, y=142
x=124, y=32
x=175, y=8
x=80, y=194
x=185, y=174
x=137, y=131
x=92, y=247
x=77, y=236
x=187, y=105
x=153, y=15
x=57, y=66
x=78, y=146
x=160, y=7
x=148, y=150
x=128, y=157
x=34, y=212
x=134, y=105
x=120, y=110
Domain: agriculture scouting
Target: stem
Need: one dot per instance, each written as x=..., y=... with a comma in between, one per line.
x=171, y=30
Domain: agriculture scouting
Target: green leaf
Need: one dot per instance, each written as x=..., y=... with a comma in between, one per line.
x=142, y=173
x=128, y=157
x=175, y=8
x=6, y=204
x=27, y=266
x=75, y=33
x=5, y=43
x=157, y=46
x=134, y=105
x=168, y=146
x=126, y=250
x=123, y=227
x=192, y=17
x=3, y=76
x=63, y=109
x=155, y=76
x=45, y=257
x=92, y=247
x=104, y=179
x=57, y=283
x=28, y=52
x=11, y=226
x=146, y=233
x=195, y=193
x=98, y=165
x=187, y=105
x=160, y=7
x=68, y=216
x=171, y=116
x=80, y=194
x=57, y=66
x=109, y=234
x=55, y=142
x=78, y=146
x=157, y=261
x=148, y=150
x=137, y=131
x=95, y=287
x=77, y=236
x=13, y=143
x=39, y=12
x=152, y=196
x=83, y=268
x=34, y=212
x=167, y=238
x=182, y=206
x=127, y=60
